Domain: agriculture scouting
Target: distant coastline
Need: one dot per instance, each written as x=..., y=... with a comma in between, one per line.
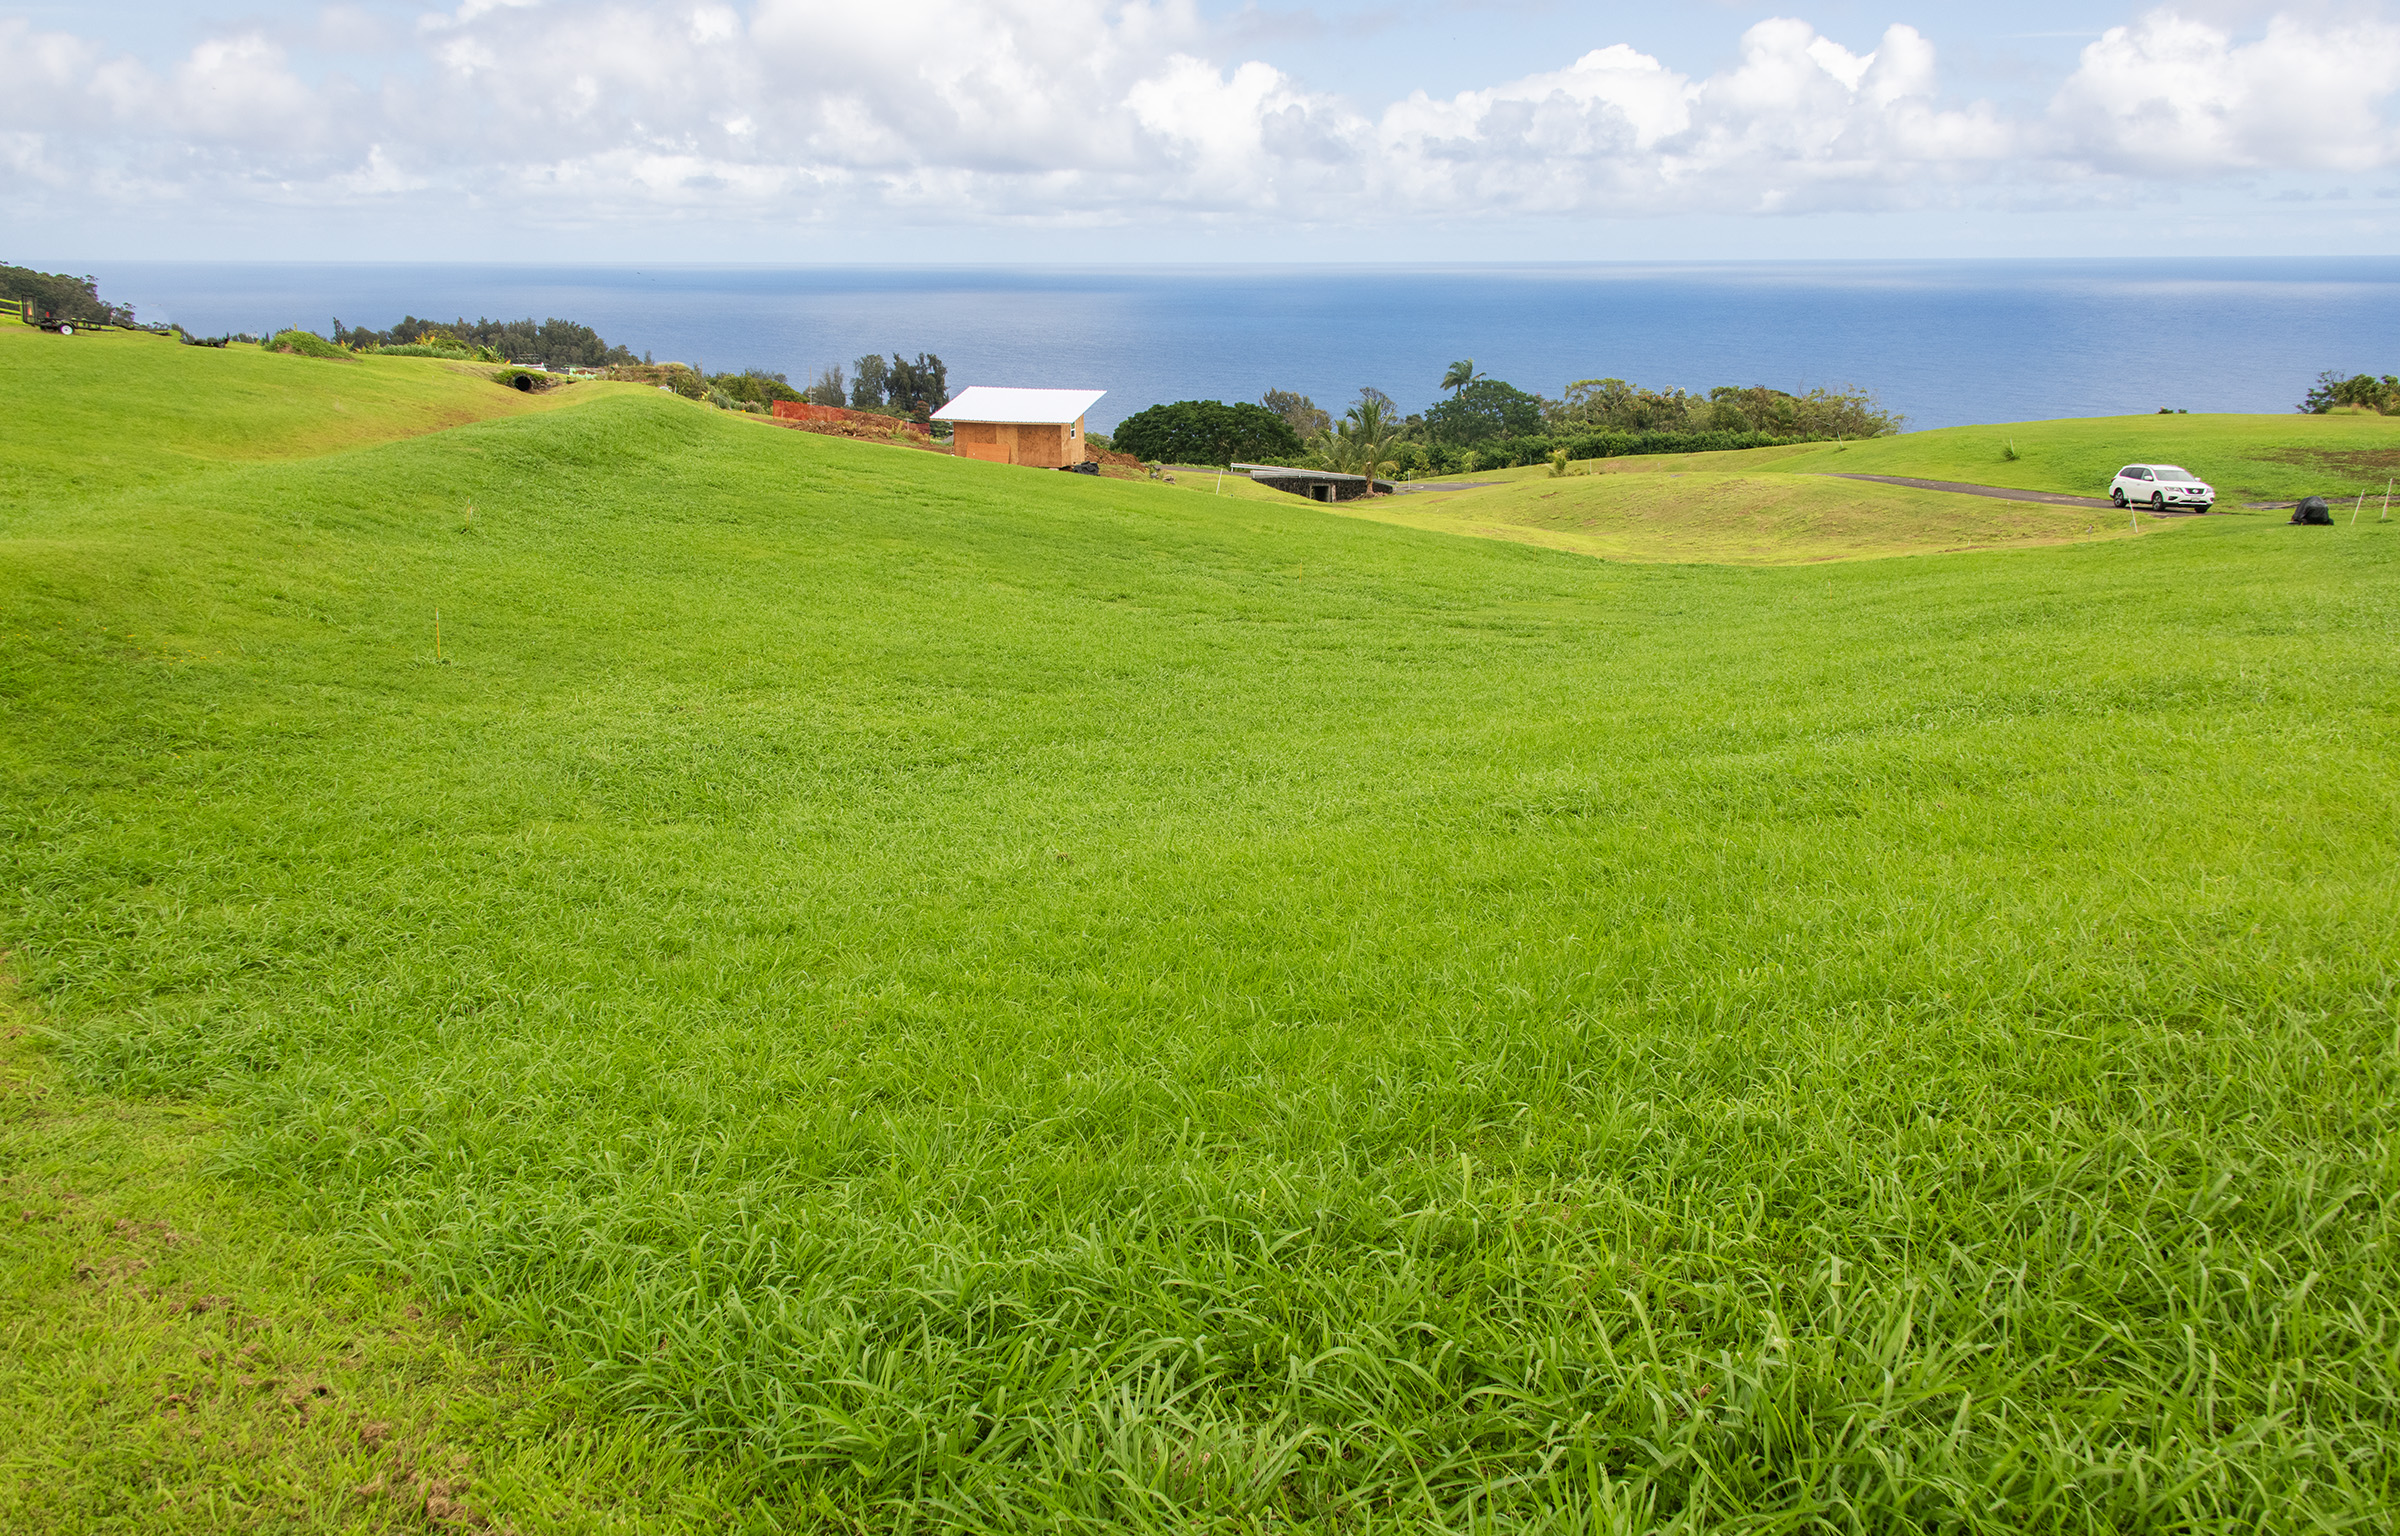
x=1944, y=342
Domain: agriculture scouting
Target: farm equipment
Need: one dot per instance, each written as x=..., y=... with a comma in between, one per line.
x=37, y=313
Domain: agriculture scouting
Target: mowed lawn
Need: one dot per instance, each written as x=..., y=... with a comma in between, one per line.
x=1749, y=518
x=888, y=993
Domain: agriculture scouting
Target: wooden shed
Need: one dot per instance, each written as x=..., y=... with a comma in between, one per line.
x=1038, y=427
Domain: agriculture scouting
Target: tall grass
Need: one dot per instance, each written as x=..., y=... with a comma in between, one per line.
x=991, y=1001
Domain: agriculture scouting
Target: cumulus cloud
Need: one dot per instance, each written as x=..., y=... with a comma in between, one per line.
x=1798, y=120
x=2169, y=95
x=1084, y=110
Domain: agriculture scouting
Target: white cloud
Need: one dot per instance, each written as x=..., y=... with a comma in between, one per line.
x=1799, y=120
x=1083, y=111
x=2173, y=96
x=240, y=90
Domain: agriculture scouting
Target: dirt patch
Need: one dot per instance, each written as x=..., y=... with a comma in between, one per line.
x=2359, y=463
x=895, y=434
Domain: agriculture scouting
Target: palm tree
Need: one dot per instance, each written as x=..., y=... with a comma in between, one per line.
x=1373, y=433
x=1328, y=449
x=1462, y=373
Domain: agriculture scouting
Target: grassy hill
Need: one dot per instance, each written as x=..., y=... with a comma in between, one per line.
x=878, y=992
x=110, y=410
x=1787, y=506
x=2254, y=458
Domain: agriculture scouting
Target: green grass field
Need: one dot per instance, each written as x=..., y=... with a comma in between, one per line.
x=1752, y=518
x=874, y=992
x=2255, y=458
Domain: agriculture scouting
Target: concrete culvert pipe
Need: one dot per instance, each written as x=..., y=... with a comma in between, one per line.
x=524, y=383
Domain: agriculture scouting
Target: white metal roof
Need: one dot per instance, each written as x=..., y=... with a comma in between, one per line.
x=1027, y=407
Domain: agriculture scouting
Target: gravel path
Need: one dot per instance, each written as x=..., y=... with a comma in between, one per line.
x=2000, y=491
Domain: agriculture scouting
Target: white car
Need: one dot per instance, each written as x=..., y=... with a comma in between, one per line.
x=2160, y=486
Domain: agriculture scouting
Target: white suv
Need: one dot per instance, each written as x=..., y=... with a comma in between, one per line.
x=2161, y=486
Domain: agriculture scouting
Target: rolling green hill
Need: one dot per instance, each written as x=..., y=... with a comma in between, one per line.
x=866, y=991
x=2255, y=458
x=109, y=410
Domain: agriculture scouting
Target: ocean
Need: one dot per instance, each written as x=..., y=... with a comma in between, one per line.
x=1943, y=342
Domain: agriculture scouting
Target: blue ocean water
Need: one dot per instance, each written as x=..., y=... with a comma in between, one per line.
x=1944, y=342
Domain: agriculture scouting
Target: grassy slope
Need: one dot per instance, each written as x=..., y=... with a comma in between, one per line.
x=2245, y=457
x=1744, y=519
x=1015, y=1001
x=109, y=410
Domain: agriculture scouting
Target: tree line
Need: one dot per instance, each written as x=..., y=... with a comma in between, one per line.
x=2359, y=391
x=1488, y=423
x=551, y=343
x=75, y=299
x=892, y=385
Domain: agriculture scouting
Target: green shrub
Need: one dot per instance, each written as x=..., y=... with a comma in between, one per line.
x=754, y=386
x=423, y=349
x=306, y=344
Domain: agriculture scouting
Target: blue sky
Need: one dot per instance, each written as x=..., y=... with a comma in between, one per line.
x=1179, y=130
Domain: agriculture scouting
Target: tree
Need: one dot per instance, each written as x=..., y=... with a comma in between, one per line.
x=1207, y=432
x=1460, y=374
x=867, y=379
x=1301, y=414
x=1331, y=449
x=919, y=388
x=1374, y=432
x=828, y=388
x=1484, y=409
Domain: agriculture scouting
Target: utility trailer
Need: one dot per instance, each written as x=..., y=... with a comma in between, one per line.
x=37, y=313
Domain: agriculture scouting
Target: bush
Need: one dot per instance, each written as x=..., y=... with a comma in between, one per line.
x=756, y=386
x=1509, y=452
x=306, y=344
x=425, y=349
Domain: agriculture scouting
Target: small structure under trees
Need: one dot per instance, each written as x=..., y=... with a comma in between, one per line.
x=1315, y=484
x=1042, y=428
